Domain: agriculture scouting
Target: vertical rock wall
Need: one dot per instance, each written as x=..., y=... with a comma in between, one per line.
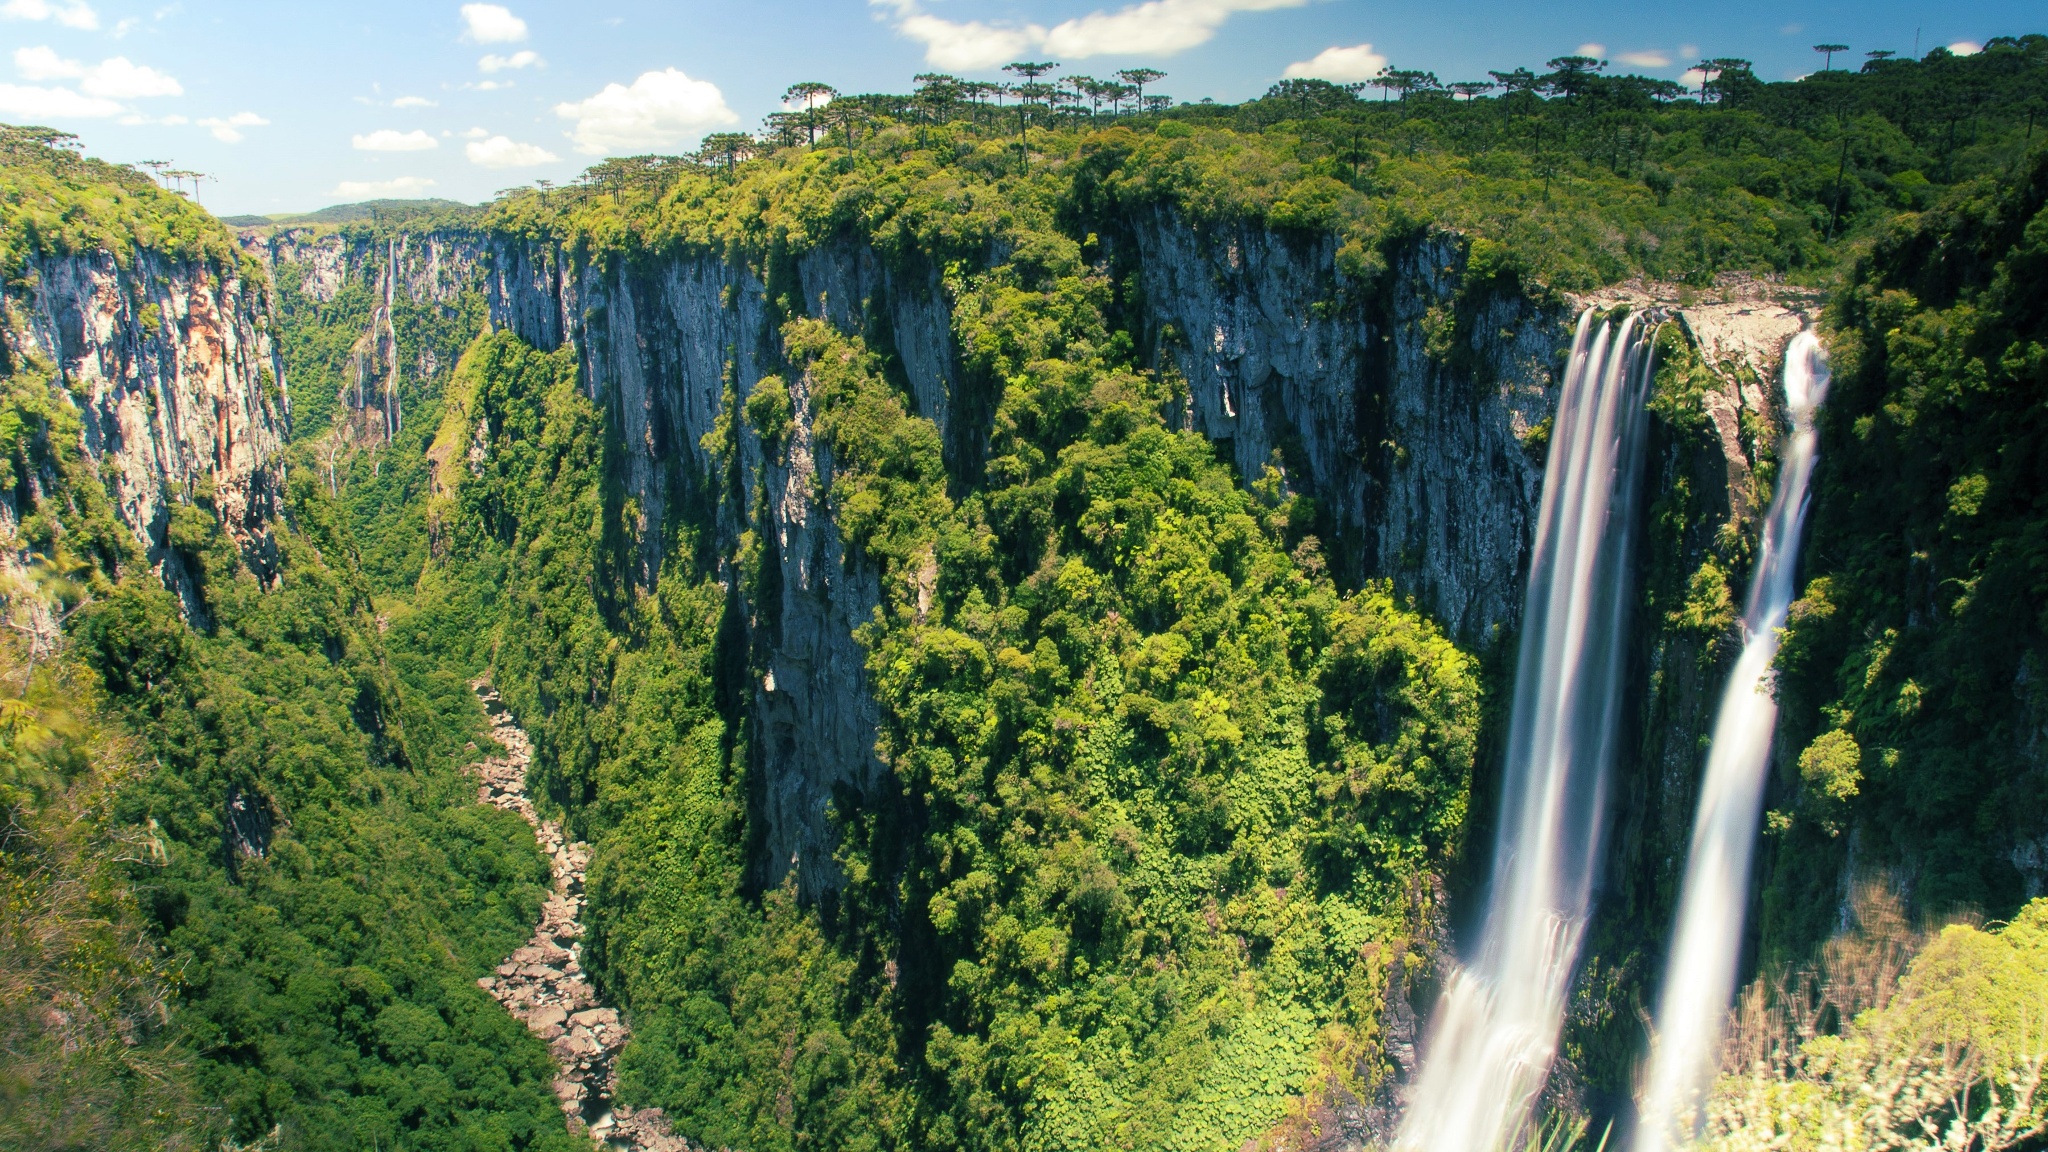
x=660, y=345
x=1412, y=448
x=180, y=389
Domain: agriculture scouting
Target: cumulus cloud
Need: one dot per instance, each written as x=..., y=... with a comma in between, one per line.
x=372, y=189
x=660, y=110
x=28, y=102
x=1339, y=65
x=505, y=152
x=392, y=140
x=1155, y=28
x=115, y=78
x=228, y=130
x=412, y=102
x=1590, y=49
x=524, y=59
x=969, y=46
x=492, y=24
x=75, y=14
x=1152, y=28
x=1650, y=58
x=1966, y=47
x=476, y=133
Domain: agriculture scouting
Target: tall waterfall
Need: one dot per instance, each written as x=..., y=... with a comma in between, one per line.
x=1700, y=978
x=1495, y=1028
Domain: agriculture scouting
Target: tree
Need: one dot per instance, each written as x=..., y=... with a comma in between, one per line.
x=1827, y=52
x=1030, y=90
x=1139, y=77
x=1573, y=75
x=727, y=148
x=809, y=91
x=1722, y=76
x=1471, y=89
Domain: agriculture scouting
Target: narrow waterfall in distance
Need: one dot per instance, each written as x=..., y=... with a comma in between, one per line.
x=1495, y=1028
x=1700, y=975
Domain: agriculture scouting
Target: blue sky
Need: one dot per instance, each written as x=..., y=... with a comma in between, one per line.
x=293, y=106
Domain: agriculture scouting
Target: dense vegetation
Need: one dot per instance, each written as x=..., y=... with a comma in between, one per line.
x=248, y=891
x=1914, y=662
x=1164, y=805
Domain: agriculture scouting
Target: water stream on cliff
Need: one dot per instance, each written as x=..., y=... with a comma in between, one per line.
x=1708, y=940
x=1496, y=1024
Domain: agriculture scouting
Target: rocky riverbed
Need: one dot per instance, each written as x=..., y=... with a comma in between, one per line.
x=543, y=983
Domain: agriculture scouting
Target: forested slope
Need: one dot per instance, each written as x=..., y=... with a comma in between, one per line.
x=285, y=891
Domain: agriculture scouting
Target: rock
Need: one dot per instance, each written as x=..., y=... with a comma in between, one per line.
x=544, y=985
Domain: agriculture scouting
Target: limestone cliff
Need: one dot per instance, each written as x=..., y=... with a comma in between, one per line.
x=179, y=387
x=1403, y=419
x=663, y=348
x=401, y=281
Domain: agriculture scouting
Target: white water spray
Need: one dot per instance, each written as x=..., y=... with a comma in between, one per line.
x=1700, y=978
x=1495, y=1030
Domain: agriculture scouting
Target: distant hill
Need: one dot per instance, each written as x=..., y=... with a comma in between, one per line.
x=387, y=211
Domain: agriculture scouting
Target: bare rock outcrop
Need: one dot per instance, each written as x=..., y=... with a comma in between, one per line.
x=543, y=982
x=180, y=389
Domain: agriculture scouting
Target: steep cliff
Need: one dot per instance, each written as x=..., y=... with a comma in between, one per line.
x=174, y=372
x=665, y=349
x=1400, y=405
x=372, y=316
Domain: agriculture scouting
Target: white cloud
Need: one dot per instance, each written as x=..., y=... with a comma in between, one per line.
x=660, y=110
x=75, y=14
x=1647, y=59
x=118, y=79
x=228, y=131
x=1339, y=65
x=26, y=102
x=489, y=85
x=115, y=78
x=1152, y=28
x=475, y=133
x=525, y=59
x=374, y=189
x=392, y=140
x=492, y=24
x=412, y=102
x=1791, y=29
x=1966, y=47
x=1157, y=27
x=504, y=152
x=43, y=63
x=1590, y=49
x=1688, y=51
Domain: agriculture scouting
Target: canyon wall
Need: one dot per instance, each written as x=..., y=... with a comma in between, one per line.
x=179, y=386
x=1402, y=407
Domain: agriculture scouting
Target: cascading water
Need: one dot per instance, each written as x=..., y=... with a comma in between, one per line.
x=1496, y=1025
x=1700, y=977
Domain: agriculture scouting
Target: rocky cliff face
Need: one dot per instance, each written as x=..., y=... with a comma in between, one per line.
x=1402, y=407
x=424, y=271
x=1402, y=418
x=660, y=348
x=179, y=386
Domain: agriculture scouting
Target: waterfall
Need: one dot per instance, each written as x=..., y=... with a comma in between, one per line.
x=1496, y=1024
x=1700, y=978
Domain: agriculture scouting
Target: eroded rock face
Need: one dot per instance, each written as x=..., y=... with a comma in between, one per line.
x=427, y=269
x=659, y=348
x=543, y=982
x=181, y=391
x=1412, y=449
